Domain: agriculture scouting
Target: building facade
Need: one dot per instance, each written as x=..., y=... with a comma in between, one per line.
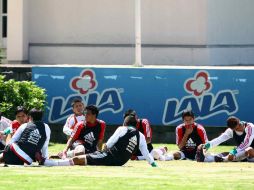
x=174, y=32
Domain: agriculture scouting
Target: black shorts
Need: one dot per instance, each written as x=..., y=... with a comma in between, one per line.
x=189, y=154
x=2, y=146
x=101, y=158
x=10, y=157
x=149, y=147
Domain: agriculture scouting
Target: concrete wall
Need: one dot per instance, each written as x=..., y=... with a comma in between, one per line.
x=174, y=32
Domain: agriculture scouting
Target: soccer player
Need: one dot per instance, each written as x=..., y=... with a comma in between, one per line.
x=118, y=150
x=189, y=136
x=21, y=118
x=29, y=143
x=88, y=135
x=5, y=128
x=143, y=126
x=77, y=116
x=243, y=135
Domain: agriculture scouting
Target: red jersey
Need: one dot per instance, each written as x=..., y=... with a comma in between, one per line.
x=197, y=137
x=89, y=134
x=144, y=127
x=15, y=125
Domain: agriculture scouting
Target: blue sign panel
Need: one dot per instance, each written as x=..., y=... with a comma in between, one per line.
x=157, y=94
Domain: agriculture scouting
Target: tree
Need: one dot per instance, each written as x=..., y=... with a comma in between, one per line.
x=20, y=93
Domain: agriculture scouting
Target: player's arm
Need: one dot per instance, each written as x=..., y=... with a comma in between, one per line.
x=247, y=140
x=44, y=149
x=228, y=134
x=114, y=138
x=143, y=149
x=67, y=127
x=18, y=133
x=101, y=135
x=184, y=139
x=147, y=130
x=74, y=135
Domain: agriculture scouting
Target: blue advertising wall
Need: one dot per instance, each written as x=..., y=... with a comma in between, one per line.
x=157, y=94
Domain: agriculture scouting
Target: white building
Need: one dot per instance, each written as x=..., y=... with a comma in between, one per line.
x=174, y=32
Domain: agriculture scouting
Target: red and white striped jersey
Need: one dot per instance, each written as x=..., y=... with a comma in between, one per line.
x=71, y=121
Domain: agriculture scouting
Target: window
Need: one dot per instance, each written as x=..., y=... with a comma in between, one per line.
x=4, y=5
x=4, y=18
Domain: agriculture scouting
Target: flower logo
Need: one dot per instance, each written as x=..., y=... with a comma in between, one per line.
x=85, y=82
x=199, y=84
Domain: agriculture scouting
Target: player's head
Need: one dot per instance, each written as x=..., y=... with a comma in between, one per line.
x=130, y=112
x=92, y=113
x=78, y=106
x=234, y=124
x=35, y=114
x=130, y=120
x=188, y=117
x=21, y=114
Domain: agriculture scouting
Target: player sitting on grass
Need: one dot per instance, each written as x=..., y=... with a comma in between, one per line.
x=88, y=135
x=5, y=129
x=243, y=135
x=77, y=116
x=118, y=150
x=29, y=143
x=189, y=136
x=144, y=127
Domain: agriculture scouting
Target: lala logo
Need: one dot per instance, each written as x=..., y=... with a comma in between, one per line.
x=85, y=87
x=201, y=101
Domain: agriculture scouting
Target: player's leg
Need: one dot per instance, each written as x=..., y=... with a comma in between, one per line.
x=78, y=150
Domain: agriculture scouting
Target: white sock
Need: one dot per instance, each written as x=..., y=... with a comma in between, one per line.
x=70, y=154
x=66, y=162
x=48, y=162
x=240, y=156
x=209, y=158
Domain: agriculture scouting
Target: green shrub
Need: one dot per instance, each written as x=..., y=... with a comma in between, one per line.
x=20, y=93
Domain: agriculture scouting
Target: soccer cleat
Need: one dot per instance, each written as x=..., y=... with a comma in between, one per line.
x=218, y=159
x=200, y=157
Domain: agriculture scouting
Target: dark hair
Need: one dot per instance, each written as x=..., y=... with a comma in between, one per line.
x=232, y=122
x=20, y=109
x=36, y=114
x=130, y=120
x=93, y=109
x=130, y=112
x=187, y=113
x=76, y=100
x=0, y=115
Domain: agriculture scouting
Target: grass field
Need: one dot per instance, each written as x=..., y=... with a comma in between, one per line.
x=134, y=175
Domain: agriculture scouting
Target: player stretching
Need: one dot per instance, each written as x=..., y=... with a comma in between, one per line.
x=118, y=150
x=189, y=136
x=29, y=143
x=243, y=135
x=144, y=127
x=88, y=135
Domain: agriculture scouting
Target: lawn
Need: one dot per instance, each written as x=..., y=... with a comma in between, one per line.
x=134, y=175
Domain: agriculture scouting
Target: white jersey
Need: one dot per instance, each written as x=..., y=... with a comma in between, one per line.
x=228, y=134
x=44, y=149
x=71, y=121
x=4, y=124
x=121, y=131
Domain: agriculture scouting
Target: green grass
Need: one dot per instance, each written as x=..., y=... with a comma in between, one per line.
x=134, y=175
